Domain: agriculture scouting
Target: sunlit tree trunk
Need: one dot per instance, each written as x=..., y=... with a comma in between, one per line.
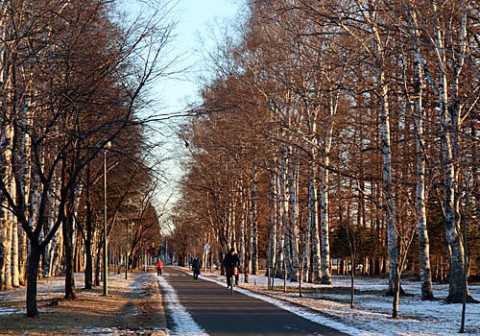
x=51, y=248
x=294, y=212
x=272, y=223
x=312, y=205
x=324, y=190
x=10, y=233
x=7, y=251
x=418, y=118
x=450, y=112
x=316, y=261
x=394, y=283
x=243, y=222
x=88, y=234
x=282, y=247
x=254, y=198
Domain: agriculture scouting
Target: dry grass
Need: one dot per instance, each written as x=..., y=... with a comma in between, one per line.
x=125, y=311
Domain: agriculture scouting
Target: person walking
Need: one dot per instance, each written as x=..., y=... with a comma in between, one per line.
x=196, y=267
x=159, y=267
x=231, y=262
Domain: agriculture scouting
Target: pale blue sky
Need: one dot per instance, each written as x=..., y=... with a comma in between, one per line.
x=196, y=19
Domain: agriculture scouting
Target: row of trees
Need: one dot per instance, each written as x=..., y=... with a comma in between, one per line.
x=341, y=123
x=73, y=75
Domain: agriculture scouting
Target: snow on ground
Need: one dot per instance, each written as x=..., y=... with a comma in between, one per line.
x=371, y=314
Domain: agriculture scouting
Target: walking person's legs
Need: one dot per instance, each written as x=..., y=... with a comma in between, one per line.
x=229, y=280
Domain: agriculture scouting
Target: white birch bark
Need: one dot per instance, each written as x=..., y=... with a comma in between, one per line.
x=312, y=206
x=7, y=251
x=232, y=220
x=377, y=52
x=311, y=219
x=3, y=140
x=450, y=123
x=294, y=209
x=15, y=254
x=418, y=118
x=324, y=201
x=388, y=194
x=9, y=220
x=49, y=250
x=243, y=221
x=315, y=227
x=280, y=218
x=272, y=224
x=25, y=152
x=254, y=255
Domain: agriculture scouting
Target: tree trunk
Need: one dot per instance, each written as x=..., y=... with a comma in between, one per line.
x=272, y=225
x=67, y=229
x=254, y=197
x=449, y=141
x=312, y=206
x=280, y=220
x=418, y=118
x=97, y=263
x=7, y=244
x=293, y=228
x=88, y=252
x=324, y=203
x=32, y=274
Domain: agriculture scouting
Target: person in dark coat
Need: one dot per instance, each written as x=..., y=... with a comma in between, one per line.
x=196, y=267
x=231, y=262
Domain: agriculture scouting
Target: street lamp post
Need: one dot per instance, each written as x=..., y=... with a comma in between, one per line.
x=105, y=219
x=127, y=247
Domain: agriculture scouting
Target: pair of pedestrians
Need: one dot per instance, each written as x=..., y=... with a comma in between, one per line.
x=231, y=262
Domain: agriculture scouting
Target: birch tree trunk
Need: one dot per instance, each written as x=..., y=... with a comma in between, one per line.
x=7, y=251
x=324, y=203
x=315, y=262
x=272, y=223
x=68, y=228
x=8, y=221
x=418, y=118
x=15, y=254
x=254, y=197
x=282, y=248
x=394, y=280
x=88, y=234
x=294, y=209
x=392, y=244
x=450, y=124
x=49, y=250
x=243, y=223
x=312, y=205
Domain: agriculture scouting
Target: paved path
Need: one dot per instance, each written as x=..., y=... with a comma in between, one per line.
x=218, y=312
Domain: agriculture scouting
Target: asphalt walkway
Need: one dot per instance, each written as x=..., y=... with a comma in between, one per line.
x=219, y=313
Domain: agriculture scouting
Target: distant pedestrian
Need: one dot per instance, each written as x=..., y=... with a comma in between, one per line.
x=231, y=262
x=196, y=267
x=159, y=267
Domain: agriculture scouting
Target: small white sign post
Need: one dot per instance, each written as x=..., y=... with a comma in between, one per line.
x=206, y=248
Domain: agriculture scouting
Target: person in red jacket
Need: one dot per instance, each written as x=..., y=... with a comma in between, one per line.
x=159, y=267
